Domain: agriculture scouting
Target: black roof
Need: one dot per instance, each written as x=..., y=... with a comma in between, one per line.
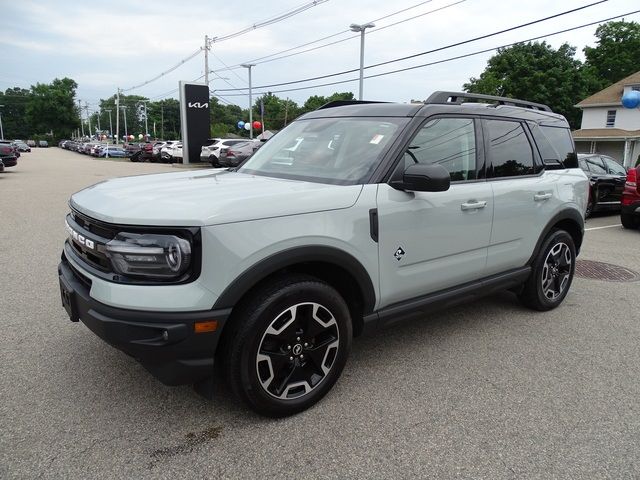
x=444, y=103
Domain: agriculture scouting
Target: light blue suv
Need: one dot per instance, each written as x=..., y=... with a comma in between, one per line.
x=354, y=216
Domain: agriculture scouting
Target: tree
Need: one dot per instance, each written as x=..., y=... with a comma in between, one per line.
x=616, y=55
x=14, y=105
x=51, y=108
x=538, y=73
x=316, y=101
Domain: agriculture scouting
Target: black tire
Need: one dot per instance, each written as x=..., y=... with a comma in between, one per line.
x=589, y=211
x=628, y=221
x=552, y=273
x=278, y=358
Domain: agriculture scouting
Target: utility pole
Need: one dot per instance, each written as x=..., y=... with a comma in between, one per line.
x=248, y=66
x=98, y=117
x=206, y=60
x=117, y=136
x=110, y=124
x=162, y=120
x=1, y=130
x=124, y=113
x=80, y=113
x=86, y=109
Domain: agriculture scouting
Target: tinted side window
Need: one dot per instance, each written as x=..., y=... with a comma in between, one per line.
x=451, y=142
x=555, y=143
x=614, y=167
x=509, y=149
x=596, y=165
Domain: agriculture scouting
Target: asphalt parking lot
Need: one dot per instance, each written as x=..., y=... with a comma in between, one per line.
x=486, y=390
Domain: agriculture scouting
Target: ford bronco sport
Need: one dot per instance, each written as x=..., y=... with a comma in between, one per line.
x=354, y=216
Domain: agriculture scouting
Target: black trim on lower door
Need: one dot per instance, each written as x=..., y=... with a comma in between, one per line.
x=448, y=297
x=299, y=256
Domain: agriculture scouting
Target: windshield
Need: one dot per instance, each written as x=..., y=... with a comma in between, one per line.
x=342, y=151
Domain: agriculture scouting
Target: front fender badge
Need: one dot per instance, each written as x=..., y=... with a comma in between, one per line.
x=399, y=253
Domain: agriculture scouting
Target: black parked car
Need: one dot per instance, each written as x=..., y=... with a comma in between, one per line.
x=606, y=179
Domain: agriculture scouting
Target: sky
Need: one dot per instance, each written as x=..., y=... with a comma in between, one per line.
x=121, y=44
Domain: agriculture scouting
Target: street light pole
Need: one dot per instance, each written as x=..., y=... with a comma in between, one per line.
x=124, y=114
x=361, y=28
x=108, y=110
x=117, y=137
x=1, y=130
x=248, y=66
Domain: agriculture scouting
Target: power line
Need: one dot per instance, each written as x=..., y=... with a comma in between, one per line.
x=270, y=21
x=264, y=23
x=160, y=75
x=482, y=37
x=257, y=60
x=444, y=60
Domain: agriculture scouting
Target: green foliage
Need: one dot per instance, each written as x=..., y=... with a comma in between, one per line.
x=616, y=54
x=51, y=108
x=14, y=122
x=538, y=73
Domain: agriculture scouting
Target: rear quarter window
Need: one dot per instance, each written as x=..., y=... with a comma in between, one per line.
x=555, y=144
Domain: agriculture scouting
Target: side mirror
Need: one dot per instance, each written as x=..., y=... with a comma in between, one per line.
x=424, y=178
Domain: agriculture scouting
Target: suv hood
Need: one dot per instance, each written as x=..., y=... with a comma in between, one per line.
x=209, y=197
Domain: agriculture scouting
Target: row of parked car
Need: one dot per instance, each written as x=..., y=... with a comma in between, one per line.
x=219, y=152
x=10, y=152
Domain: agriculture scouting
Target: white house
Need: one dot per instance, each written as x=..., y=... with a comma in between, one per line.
x=609, y=128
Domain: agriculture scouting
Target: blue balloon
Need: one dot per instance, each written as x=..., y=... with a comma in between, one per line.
x=631, y=99
x=240, y=124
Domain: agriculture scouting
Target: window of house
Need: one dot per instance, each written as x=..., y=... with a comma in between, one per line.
x=611, y=118
x=509, y=149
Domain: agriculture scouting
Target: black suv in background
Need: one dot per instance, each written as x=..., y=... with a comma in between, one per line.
x=606, y=181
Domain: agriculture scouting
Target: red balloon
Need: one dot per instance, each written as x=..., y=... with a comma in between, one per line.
x=257, y=125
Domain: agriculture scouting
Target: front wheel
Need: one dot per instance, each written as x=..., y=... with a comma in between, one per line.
x=290, y=342
x=552, y=273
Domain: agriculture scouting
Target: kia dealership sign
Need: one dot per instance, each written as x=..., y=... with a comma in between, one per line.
x=194, y=118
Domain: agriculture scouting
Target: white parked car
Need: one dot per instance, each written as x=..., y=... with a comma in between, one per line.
x=171, y=152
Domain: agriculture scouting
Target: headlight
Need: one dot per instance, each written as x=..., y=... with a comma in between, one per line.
x=149, y=255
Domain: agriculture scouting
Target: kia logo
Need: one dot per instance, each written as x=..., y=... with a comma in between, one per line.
x=198, y=105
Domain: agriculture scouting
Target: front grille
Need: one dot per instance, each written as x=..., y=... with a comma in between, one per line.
x=88, y=241
x=99, y=228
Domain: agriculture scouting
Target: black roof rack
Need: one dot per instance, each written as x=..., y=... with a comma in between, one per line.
x=342, y=103
x=457, y=98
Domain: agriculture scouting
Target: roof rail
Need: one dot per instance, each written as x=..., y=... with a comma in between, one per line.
x=342, y=103
x=457, y=98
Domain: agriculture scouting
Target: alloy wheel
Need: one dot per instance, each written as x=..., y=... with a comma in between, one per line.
x=556, y=271
x=297, y=351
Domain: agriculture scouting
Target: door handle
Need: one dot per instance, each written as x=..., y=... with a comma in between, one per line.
x=473, y=205
x=538, y=197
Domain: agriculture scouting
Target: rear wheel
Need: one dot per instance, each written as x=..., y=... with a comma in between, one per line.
x=552, y=273
x=288, y=345
x=628, y=221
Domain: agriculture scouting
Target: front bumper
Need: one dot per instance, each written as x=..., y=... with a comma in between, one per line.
x=10, y=161
x=165, y=343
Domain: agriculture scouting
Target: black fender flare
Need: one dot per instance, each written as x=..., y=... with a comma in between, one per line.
x=570, y=214
x=295, y=256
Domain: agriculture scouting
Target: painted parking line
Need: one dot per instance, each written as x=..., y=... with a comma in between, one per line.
x=600, y=228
